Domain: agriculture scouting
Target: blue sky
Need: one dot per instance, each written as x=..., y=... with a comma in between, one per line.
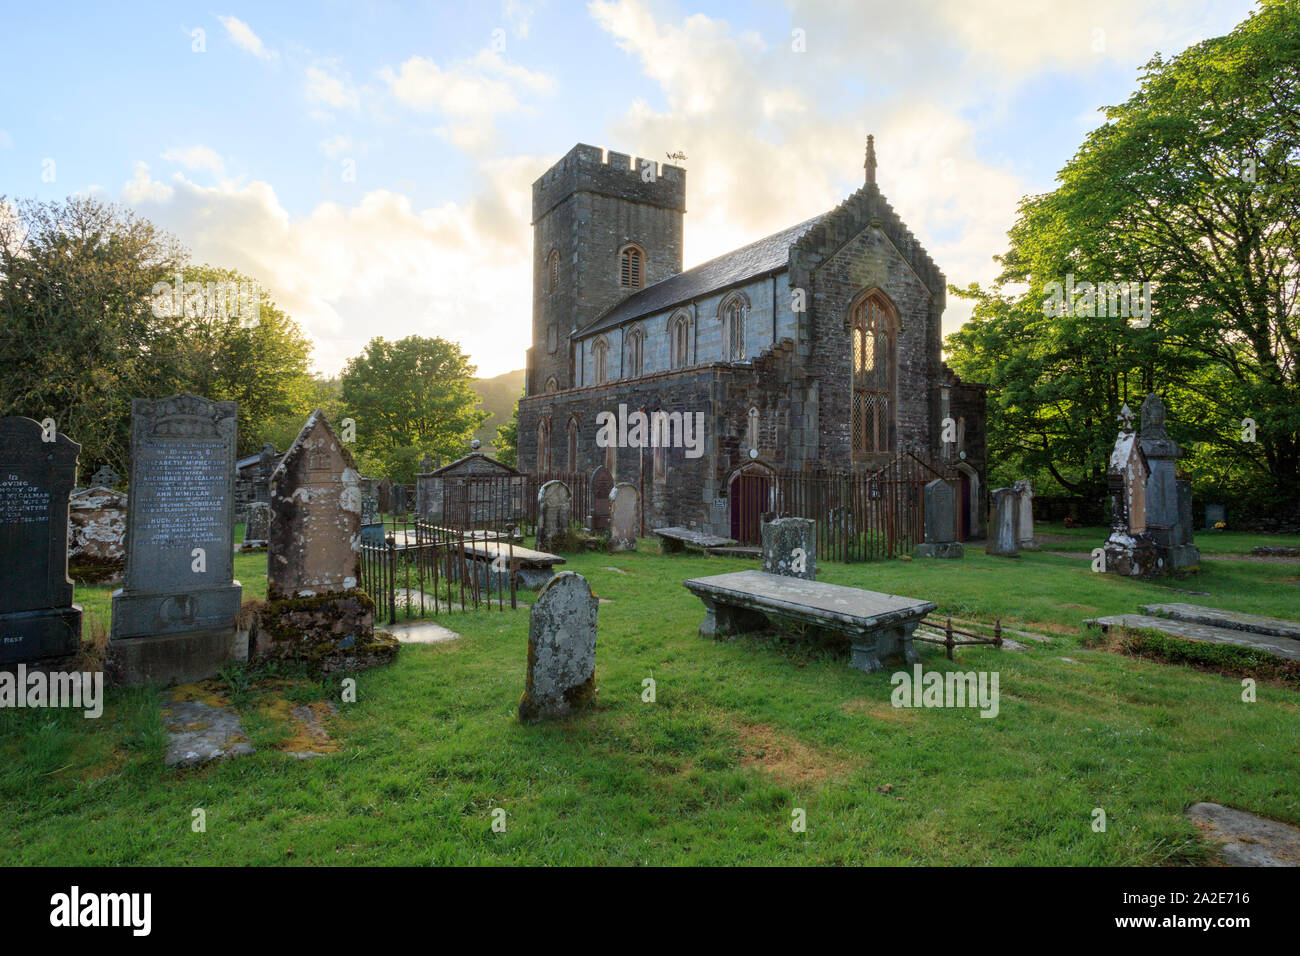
x=370, y=163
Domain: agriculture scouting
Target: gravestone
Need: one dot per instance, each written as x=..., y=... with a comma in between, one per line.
x=97, y=528
x=257, y=526
x=790, y=547
x=554, y=513
x=602, y=483
x=397, y=500
x=384, y=490
x=38, y=620
x=1004, y=537
x=940, y=522
x=369, y=509
x=315, y=613
x=1129, y=550
x=105, y=477
x=624, y=517
x=1025, y=516
x=1162, y=491
x=426, y=465
x=1214, y=514
x=174, y=618
x=561, y=649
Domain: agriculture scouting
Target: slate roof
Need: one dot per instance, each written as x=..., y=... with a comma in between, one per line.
x=748, y=262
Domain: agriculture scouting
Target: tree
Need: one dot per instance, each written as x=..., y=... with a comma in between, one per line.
x=1193, y=186
x=410, y=398
x=507, y=443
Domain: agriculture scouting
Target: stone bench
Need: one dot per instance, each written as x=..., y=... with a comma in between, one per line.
x=877, y=625
x=675, y=539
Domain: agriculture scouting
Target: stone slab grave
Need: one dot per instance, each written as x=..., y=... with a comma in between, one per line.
x=1284, y=647
x=674, y=540
x=201, y=730
x=940, y=522
x=624, y=516
x=1233, y=620
x=97, y=527
x=790, y=547
x=554, y=514
x=257, y=526
x=561, y=650
x=38, y=620
x=876, y=625
x=532, y=568
x=315, y=612
x=1004, y=535
x=1244, y=839
x=175, y=616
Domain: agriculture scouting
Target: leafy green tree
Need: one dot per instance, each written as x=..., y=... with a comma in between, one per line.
x=1192, y=185
x=409, y=398
x=507, y=443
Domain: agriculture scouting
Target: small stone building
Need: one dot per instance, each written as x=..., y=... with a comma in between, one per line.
x=472, y=492
x=816, y=348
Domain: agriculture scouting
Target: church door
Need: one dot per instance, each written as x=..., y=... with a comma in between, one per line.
x=963, y=532
x=749, y=496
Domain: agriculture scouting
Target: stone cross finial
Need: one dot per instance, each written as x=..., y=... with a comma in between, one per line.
x=1125, y=418
x=870, y=164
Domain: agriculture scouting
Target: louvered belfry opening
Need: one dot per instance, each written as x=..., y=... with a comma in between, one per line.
x=630, y=273
x=873, y=375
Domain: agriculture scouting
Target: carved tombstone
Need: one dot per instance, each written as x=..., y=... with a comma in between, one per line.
x=97, y=527
x=561, y=649
x=554, y=513
x=1163, y=518
x=105, y=477
x=179, y=543
x=790, y=547
x=257, y=526
x=1129, y=550
x=602, y=483
x=37, y=617
x=1004, y=538
x=624, y=517
x=940, y=522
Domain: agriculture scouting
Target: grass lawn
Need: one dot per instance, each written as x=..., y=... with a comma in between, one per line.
x=741, y=734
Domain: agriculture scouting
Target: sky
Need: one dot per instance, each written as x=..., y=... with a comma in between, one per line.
x=370, y=164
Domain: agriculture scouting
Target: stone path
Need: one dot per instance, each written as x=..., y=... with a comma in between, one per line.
x=1246, y=839
x=201, y=730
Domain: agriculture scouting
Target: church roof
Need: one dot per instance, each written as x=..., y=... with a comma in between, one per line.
x=769, y=254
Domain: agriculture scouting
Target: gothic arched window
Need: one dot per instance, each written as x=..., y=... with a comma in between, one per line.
x=732, y=313
x=679, y=340
x=874, y=328
x=573, y=443
x=631, y=267
x=600, y=361
x=635, y=352
x=543, y=445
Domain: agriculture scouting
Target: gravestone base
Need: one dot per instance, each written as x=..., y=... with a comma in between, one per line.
x=176, y=658
x=33, y=635
x=725, y=620
x=868, y=653
x=1133, y=557
x=1182, y=557
x=948, y=549
x=330, y=633
x=148, y=613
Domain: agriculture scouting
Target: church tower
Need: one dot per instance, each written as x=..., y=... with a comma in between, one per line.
x=604, y=226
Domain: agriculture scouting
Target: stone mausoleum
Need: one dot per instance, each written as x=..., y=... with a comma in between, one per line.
x=818, y=347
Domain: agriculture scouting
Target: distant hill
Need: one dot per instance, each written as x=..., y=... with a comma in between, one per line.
x=498, y=396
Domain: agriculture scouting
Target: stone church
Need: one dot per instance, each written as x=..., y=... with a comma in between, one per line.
x=816, y=348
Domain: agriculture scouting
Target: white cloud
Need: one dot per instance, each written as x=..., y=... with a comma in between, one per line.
x=322, y=86
x=336, y=145
x=196, y=158
x=243, y=37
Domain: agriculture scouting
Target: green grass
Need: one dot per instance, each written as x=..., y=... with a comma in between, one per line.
x=1226, y=541
x=741, y=733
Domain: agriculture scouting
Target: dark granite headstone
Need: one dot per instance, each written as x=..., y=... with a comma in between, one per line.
x=602, y=483
x=37, y=617
x=1215, y=514
x=940, y=522
x=384, y=490
x=182, y=500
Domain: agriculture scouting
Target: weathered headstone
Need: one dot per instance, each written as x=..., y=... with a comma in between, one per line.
x=105, y=477
x=1025, y=516
x=602, y=483
x=397, y=500
x=1004, y=536
x=940, y=522
x=257, y=526
x=37, y=617
x=554, y=514
x=174, y=618
x=384, y=490
x=790, y=547
x=369, y=509
x=1162, y=501
x=1129, y=549
x=315, y=612
x=624, y=516
x=1214, y=515
x=561, y=649
x=97, y=527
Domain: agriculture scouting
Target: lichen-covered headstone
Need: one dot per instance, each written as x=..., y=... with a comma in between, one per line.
x=554, y=514
x=1129, y=549
x=790, y=547
x=257, y=526
x=561, y=649
x=1003, y=536
x=97, y=527
x=624, y=516
x=37, y=617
